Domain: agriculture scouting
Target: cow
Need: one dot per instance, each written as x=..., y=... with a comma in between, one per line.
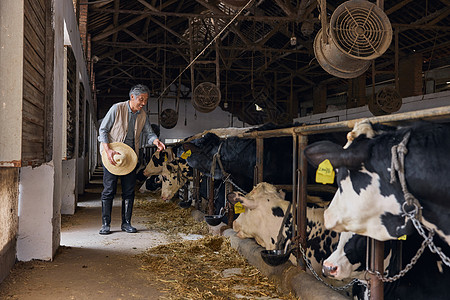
x=265, y=209
x=428, y=278
x=177, y=172
x=151, y=184
x=155, y=165
x=367, y=203
x=174, y=175
x=238, y=157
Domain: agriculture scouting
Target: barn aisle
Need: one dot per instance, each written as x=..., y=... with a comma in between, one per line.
x=89, y=265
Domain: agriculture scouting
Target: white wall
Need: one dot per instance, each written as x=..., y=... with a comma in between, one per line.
x=11, y=81
x=196, y=122
x=36, y=190
x=408, y=104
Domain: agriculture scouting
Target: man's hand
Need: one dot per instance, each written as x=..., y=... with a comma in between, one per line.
x=110, y=153
x=159, y=144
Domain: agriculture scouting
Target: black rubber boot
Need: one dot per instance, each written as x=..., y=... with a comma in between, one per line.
x=127, y=210
x=106, y=217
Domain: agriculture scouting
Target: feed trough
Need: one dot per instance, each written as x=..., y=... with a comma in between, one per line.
x=275, y=257
x=215, y=220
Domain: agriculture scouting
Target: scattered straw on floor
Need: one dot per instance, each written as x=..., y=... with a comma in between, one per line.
x=207, y=268
x=169, y=218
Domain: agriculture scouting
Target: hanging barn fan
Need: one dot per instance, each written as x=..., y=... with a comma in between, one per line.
x=359, y=31
x=206, y=97
x=169, y=118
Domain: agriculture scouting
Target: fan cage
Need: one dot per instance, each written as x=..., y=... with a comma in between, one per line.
x=206, y=97
x=360, y=29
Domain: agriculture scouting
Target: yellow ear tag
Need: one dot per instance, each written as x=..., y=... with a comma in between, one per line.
x=239, y=208
x=403, y=237
x=325, y=172
x=165, y=157
x=186, y=154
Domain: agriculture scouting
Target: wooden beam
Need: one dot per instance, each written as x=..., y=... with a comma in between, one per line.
x=397, y=7
x=107, y=33
x=215, y=15
x=169, y=30
x=285, y=7
x=148, y=5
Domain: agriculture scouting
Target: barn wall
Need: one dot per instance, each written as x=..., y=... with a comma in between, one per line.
x=8, y=218
x=215, y=119
x=11, y=64
x=409, y=104
x=11, y=81
x=34, y=108
x=35, y=236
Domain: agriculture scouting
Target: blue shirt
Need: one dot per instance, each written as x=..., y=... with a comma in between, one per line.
x=108, y=122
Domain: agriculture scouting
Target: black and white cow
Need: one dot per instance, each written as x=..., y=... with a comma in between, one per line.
x=177, y=172
x=428, y=278
x=174, y=175
x=265, y=209
x=238, y=156
x=367, y=202
x=155, y=165
x=151, y=184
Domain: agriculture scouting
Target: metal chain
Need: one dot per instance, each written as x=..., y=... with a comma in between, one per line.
x=409, y=266
x=433, y=248
x=428, y=241
x=308, y=264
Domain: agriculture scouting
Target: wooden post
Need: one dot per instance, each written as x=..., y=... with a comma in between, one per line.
x=376, y=264
x=229, y=189
x=259, y=160
x=196, y=195
x=301, y=207
x=211, y=196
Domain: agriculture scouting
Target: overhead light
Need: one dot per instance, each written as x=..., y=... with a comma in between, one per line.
x=258, y=108
x=293, y=41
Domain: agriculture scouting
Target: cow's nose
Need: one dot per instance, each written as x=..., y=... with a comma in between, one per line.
x=329, y=270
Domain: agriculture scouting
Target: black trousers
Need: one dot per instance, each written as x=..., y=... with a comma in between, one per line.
x=128, y=183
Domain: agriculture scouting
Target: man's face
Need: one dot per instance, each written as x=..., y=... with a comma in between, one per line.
x=137, y=102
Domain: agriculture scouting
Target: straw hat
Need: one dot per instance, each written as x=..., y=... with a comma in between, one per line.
x=125, y=161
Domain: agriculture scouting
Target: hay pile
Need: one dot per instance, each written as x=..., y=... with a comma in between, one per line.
x=169, y=218
x=207, y=268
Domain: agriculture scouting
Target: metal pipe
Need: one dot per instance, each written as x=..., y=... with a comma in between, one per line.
x=324, y=21
x=430, y=114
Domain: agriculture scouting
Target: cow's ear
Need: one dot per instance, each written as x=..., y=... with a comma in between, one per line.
x=190, y=146
x=338, y=156
x=248, y=202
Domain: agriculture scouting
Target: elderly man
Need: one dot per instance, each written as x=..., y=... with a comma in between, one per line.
x=124, y=122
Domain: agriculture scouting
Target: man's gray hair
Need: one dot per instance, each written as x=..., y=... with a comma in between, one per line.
x=139, y=89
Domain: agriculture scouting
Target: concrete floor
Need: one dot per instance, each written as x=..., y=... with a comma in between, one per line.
x=89, y=265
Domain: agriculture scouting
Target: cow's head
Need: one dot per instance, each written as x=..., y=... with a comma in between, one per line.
x=349, y=258
x=155, y=165
x=265, y=208
x=201, y=152
x=364, y=203
x=174, y=175
x=151, y=184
